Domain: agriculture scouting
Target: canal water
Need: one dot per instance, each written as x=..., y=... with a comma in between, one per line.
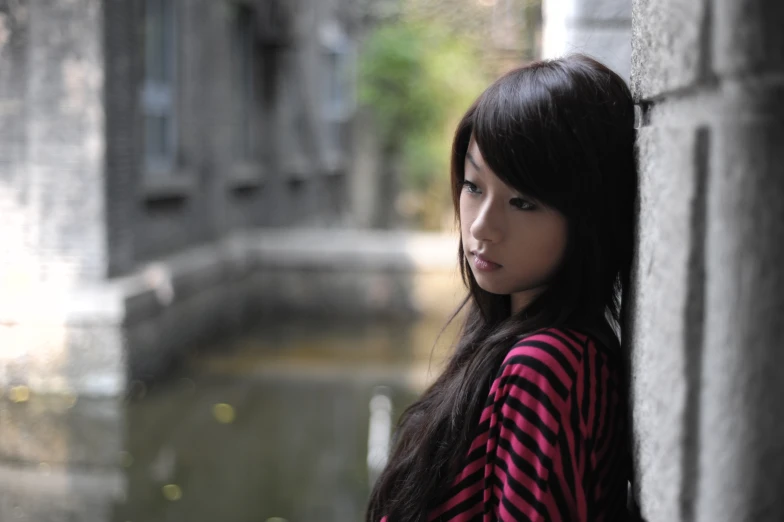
x=291, y=423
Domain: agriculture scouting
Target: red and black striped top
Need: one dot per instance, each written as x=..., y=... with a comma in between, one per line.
x=551, y=440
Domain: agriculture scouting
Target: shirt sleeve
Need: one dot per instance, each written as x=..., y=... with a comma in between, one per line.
x=539, y=456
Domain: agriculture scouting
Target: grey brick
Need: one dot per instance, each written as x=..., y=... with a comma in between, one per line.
x=660, y=307
x=742, y=439
x=752, y=100
x=668, y=49
x=748, y=36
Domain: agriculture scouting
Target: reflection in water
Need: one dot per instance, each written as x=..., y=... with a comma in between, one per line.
x=59, y=459
x=379, y=432
x=291, y=424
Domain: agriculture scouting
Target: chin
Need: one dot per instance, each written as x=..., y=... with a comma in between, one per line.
x=499, y=287
x=492, y=287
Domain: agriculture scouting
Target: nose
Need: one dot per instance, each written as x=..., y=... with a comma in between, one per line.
x=488, y=224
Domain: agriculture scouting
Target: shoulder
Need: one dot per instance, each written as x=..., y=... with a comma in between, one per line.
x=551, y=358
x=569, y=343
x=560, y=347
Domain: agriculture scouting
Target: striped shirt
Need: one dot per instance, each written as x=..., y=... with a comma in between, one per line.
x=551, y=441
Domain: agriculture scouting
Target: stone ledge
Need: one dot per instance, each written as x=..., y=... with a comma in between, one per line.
x=731, y=101
x=338, y=250
x=94, y=339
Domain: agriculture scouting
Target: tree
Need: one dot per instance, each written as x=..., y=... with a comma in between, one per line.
x=419, y=72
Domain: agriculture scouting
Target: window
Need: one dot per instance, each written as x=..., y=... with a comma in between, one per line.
x=160, y=137
x=244, y=58
x=339, y=92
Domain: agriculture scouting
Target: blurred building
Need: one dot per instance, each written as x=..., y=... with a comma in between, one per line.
x=136, y=131
x=223, y=115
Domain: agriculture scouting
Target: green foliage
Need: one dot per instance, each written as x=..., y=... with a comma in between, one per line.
x=419, y=78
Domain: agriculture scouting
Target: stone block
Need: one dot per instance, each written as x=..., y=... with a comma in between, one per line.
x=748, y=37
x=668, y=45
x=660, y=307
x=750, y=100
x=742, y=435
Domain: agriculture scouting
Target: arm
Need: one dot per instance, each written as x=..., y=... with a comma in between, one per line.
x=540, y=456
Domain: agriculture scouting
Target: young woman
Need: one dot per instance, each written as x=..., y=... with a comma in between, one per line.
x=528, y=420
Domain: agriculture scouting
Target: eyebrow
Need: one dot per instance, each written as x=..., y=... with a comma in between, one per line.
x=473, y=161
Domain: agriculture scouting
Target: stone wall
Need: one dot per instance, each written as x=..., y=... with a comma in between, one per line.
x=709, y=296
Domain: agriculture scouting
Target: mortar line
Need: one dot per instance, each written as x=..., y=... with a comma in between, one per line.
x=694, y=330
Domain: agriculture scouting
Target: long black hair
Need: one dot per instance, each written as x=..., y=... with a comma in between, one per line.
x=562, y=132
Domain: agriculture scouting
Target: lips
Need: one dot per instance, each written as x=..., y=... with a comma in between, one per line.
x=484, y=264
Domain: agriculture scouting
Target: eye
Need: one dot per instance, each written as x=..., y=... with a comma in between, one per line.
x=470, y=187
x=522, y=204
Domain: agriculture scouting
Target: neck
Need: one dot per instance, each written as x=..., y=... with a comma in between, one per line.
x=520, y=300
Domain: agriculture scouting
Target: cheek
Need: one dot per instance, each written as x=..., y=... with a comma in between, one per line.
x=554, y=240
x=544, y=244
x=466, y=217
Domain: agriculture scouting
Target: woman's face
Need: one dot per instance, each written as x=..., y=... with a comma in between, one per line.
x=513, y=243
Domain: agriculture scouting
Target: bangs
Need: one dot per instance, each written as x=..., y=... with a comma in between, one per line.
x=520, y=129
x=557, y=131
